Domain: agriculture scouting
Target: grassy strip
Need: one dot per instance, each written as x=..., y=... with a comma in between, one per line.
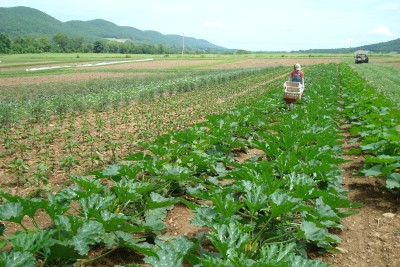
x=385, y=79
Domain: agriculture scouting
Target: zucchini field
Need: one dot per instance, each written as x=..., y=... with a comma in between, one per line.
x=91, y=178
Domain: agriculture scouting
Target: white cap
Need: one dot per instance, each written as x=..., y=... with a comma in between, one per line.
x=297, y=66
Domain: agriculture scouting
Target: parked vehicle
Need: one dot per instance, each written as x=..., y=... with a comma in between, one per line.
x=361, y=58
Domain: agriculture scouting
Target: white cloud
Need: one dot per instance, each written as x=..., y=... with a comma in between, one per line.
x=381, y=30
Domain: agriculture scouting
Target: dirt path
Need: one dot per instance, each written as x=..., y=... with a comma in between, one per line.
x=251, y=88
x=7, y=83
x=372, y=236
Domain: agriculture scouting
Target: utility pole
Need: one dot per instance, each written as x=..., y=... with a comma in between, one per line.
x=183, y=42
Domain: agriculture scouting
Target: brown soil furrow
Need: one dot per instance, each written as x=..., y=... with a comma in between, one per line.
x=370, y=237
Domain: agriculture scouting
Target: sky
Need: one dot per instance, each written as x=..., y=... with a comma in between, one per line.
x=254, y=25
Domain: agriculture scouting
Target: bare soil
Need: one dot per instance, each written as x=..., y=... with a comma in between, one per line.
x=262, y=62
x=178, y=222
x=393, y=62
x=371, y=237
x=158, y=64
x=97, y=73
x=57, y=78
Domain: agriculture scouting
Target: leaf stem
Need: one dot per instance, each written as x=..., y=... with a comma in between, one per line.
x=35, y=223
x=277, y=237
x=23, y=227
x=262, y=230
x=245, y=215
x=285, y=241
x=127, y=203
x=44, y=262
x=77, y=264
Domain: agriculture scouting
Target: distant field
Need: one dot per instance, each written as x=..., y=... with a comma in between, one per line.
x=384, y=75
x=13, y=66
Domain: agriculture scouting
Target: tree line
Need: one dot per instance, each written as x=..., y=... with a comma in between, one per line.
x=62, y=43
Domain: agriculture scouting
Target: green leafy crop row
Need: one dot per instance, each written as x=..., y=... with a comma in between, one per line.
x=265, y=211
x=384, y=79
x=376, y=124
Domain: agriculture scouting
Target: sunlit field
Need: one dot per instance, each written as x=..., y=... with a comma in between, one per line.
x=97, y=150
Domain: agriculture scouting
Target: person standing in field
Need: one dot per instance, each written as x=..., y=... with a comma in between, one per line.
x=297, y=74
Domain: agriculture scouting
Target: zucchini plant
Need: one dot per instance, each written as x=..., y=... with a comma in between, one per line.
x=375, y=124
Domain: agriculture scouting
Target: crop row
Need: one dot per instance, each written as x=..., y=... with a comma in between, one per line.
x=384, y=79
x=42, y=107
x=375, y=124
x=36, y=154
x=265, y=211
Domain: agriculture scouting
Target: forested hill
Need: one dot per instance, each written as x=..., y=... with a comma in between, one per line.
x=22, y=21
x=17, y=21
x=384, y=47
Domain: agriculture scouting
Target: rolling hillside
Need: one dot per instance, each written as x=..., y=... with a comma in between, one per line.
x=17, y=21
x=385, y=47
x=20, y=21
x=392, y=46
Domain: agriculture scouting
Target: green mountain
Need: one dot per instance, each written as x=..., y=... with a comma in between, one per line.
x=385, y=47
x=17, y=21
x=392, y=46
x=22, y=21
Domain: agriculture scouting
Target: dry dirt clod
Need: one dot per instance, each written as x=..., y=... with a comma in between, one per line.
x=388, y=215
